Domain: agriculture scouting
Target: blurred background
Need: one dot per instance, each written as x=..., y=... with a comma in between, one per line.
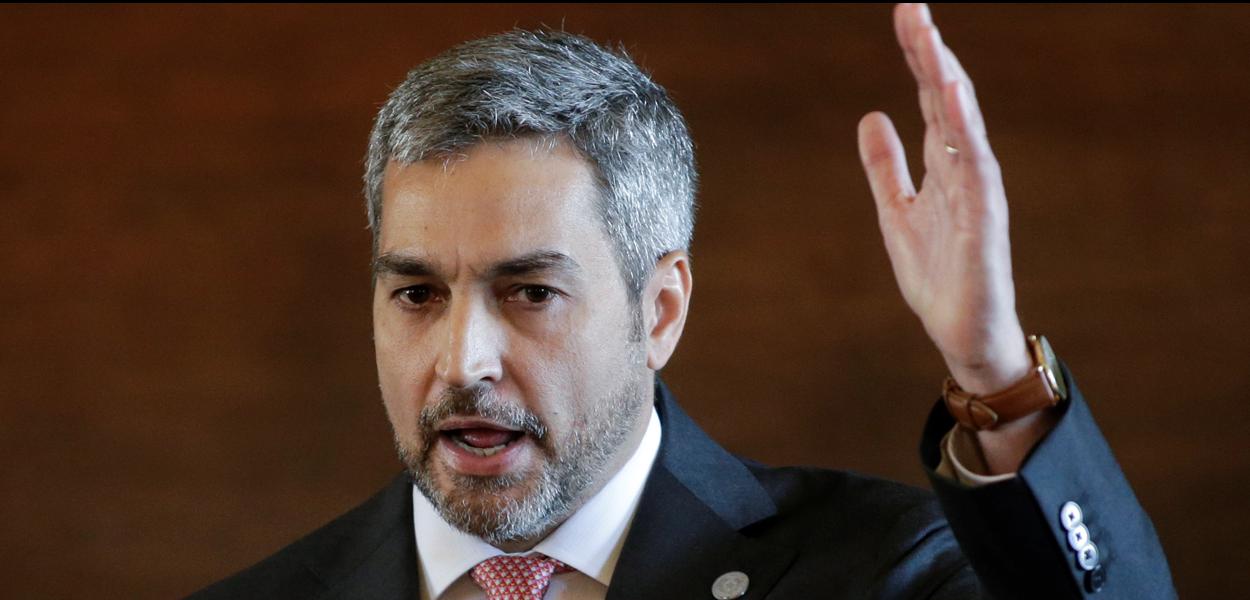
x=187, y=379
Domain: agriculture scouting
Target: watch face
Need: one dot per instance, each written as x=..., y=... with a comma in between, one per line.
x=1053, y=373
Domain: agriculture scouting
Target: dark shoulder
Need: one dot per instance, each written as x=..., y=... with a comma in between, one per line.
x=872, y=502
x=877, y=538
x=309, y=566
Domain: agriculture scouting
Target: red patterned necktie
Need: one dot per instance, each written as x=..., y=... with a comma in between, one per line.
x=517, y=577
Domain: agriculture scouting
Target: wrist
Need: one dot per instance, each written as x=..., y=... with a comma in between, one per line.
x=1043, y=386
x=998, y=370
x=1009, y=421
x=1005, y=448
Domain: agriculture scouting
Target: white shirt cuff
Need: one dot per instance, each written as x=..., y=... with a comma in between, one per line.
x=961, y=458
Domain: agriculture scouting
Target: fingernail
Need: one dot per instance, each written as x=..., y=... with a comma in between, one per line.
x=924, y=13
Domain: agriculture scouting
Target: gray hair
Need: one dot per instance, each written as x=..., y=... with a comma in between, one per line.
x=555, y=85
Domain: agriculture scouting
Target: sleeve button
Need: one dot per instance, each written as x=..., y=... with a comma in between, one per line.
x=1087, y=556
x=1071, y=516
x=1078, y=537
x=1094, y=580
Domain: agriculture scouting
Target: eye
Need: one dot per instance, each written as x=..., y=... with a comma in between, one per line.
x=533, y=294
x=416, y=295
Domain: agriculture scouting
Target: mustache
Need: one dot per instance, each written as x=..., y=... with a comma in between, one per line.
x=479, y=401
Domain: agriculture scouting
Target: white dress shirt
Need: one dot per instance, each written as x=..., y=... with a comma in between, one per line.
x=589, y=541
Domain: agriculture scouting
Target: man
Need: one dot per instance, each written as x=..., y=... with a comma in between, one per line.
x=531, y=201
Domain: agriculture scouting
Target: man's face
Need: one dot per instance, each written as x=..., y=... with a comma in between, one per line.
x=508, y=354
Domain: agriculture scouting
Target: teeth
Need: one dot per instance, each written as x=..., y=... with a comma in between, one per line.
x=479, y=451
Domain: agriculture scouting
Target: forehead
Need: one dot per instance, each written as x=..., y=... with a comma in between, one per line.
x=499, y=199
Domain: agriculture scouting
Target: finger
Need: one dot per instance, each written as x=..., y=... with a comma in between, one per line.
x=906, y=18
x=940, y=62
x=964, y=129
x=976, y=123
x=909, y=19
x=929, y=53
x=881, y=153
x=924, y=44
x=957, y=68
x=973, y=172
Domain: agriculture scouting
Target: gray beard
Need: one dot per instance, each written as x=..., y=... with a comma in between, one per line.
x=481, y=506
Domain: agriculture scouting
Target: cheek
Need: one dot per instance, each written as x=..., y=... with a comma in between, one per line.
x=577, y=367
x=548, y=374
x=403, y=374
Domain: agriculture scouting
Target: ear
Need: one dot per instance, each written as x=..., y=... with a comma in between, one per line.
x=665, y=302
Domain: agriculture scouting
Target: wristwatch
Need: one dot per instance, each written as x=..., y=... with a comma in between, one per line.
x=1042, y=388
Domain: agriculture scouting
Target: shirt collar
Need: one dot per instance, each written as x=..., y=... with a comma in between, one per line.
x=590, y=540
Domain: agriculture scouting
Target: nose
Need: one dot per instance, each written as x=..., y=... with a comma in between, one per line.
x=471, y=345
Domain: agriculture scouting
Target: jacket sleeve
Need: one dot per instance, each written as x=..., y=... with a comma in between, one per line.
x=1025, y=536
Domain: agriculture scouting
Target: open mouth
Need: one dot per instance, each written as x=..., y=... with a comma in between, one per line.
x=483, y=447
x=481, y=440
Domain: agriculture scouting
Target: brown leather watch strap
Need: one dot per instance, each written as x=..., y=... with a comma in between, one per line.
x=983, y=413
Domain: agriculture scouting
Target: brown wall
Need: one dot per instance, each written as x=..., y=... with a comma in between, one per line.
x=186, y=377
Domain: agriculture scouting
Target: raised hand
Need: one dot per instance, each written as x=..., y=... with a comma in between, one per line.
x=948, y=242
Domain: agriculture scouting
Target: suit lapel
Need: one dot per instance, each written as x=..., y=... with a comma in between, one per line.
x=378, y=558
x=688, y=527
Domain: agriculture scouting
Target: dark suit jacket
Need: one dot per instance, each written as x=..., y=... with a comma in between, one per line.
x=796, y=532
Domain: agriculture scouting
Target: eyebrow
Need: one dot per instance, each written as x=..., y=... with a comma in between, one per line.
x=539, y=261
x=402, y=264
